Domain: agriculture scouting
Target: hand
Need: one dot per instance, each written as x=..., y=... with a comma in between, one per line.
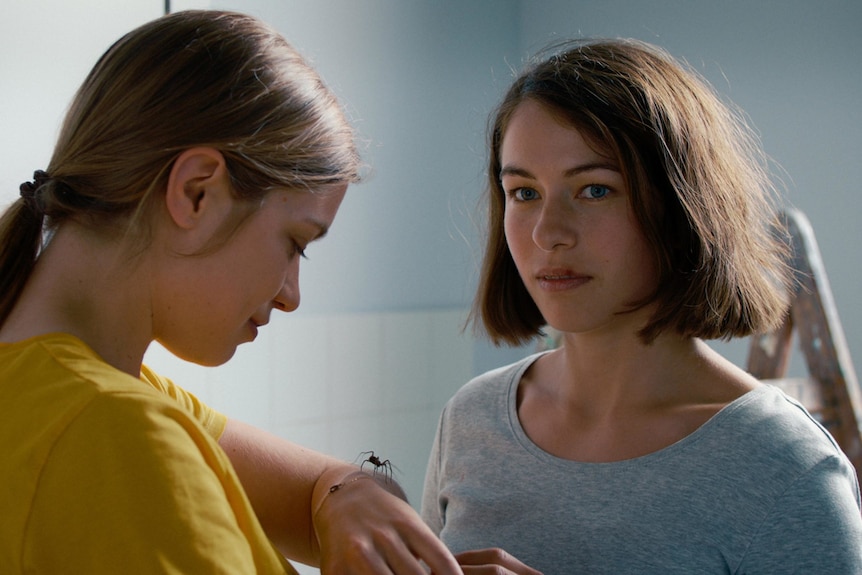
x=363, y=529
x=492, y=562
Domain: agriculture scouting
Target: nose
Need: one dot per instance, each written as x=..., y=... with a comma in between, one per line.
x=287, y=298
x=554, y=228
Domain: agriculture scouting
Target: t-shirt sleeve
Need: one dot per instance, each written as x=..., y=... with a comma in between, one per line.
x=211, y=420
x=431, y=512
x=814, y=527
x=136, y=487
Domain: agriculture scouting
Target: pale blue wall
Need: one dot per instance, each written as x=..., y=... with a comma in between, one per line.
x=419, y=79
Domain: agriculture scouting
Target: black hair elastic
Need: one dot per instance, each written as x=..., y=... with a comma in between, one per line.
x=28, y=189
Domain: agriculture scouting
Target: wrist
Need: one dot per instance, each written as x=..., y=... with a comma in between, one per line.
x=327, y=487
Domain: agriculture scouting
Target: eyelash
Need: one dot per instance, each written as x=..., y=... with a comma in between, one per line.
x=591, y=186
x=518, y=193
x=298, y=250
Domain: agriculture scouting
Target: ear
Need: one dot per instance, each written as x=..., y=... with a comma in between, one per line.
x=198, y=185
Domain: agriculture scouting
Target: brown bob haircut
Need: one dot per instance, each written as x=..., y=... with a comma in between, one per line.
x=698, y=183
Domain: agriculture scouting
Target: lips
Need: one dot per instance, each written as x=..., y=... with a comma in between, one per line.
x=254, y=324
x=253, y=328
x=559, y=279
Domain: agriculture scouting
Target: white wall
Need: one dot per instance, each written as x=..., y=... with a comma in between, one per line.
x=46, y=49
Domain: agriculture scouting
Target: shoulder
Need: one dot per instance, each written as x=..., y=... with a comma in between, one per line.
x=73, y=400
x=121, y=458
x=482, y=408
x=133, y=442
x=113, y=416
x=57, y=353
x=62, y=363
x=93, y=447
x=213, y=421
x=776, y=441
x=62, y=366
x=496, y=383
x=770, y=414
x=802, y=490
x=57, y=379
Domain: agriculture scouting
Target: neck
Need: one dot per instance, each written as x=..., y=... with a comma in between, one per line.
x=612, y=374
x=608, y=398
x=84, y=286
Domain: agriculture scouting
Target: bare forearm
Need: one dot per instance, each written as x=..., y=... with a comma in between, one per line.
x=325, y=512
x=279, y=478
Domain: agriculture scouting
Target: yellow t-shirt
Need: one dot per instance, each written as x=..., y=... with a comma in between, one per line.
x=101, y=472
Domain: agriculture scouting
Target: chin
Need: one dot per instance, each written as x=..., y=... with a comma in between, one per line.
x=199, y=355
x=211, y=359
x=221, y=360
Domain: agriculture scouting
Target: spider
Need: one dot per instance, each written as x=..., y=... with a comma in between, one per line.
x=378, y=463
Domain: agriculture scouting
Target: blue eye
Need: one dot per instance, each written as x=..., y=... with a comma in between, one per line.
x=595, y=192
x=525, y=194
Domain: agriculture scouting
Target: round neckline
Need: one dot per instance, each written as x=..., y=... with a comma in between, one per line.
x=45, y=337
x=56, y=338
x=668, y=451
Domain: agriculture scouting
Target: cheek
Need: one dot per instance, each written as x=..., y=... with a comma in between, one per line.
x=517, y=234
x=641, y=260
x=275, y=272
x=290, y=273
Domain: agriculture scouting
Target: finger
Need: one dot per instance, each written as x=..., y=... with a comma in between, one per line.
x=397, y=555
x=427, y=547
x=357, y=558
x=493, y=556
x=486, y=570
x=386, y=552
x=403, y=562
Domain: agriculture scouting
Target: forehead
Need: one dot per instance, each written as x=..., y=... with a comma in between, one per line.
x=537, y=133
x=317, y=206
x=318, y=197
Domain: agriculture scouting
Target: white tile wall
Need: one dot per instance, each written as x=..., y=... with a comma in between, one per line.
x=342, y=384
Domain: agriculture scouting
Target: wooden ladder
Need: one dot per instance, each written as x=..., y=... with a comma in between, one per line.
x=831, y=391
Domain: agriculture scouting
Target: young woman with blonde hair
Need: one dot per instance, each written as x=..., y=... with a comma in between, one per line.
x=197, y=162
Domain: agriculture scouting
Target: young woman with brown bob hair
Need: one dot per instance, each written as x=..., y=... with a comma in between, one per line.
x=632, y=211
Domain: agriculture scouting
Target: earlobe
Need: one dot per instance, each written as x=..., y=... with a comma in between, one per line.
x=198, y=179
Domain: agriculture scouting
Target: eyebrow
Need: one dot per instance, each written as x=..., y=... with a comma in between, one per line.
x=573, y=171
